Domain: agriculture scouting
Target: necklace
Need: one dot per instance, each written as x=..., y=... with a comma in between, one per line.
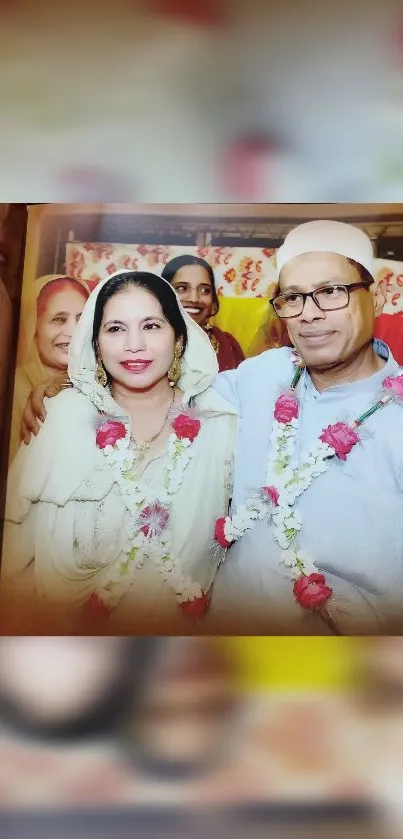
x=140, y=448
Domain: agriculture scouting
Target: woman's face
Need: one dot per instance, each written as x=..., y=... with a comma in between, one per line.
x=193, y=287
x=136, y=342
x=55, y=327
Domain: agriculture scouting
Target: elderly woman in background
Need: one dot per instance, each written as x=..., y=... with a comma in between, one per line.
x=48, y=326
x=193, y=280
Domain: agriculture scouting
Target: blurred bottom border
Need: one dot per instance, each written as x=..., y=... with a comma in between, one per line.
x=332, y=819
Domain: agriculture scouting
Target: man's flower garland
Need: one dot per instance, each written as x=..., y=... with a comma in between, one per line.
x=149, y=535
x=286, y=482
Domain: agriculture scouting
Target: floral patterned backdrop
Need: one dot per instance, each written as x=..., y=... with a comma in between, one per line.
x=239, y=272
x=244, y=272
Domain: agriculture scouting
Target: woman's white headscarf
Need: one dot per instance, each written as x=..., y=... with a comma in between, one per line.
x=62, y=456
x=199, y=362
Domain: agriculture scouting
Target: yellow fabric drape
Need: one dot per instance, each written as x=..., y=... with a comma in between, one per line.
x=251, y=320
x=242, y=317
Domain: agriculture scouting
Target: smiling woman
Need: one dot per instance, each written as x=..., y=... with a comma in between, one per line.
x=111, y=509
x=193, y=280
x=47, y=326
x=59, y=307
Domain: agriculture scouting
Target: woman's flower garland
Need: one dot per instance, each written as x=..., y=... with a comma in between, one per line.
x=149, y=534
x=286, y=482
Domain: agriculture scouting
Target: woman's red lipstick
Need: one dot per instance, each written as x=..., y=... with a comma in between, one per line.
x=138, y=366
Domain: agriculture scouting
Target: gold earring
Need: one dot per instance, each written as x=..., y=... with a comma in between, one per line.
x=100, y=375
x=175, y=370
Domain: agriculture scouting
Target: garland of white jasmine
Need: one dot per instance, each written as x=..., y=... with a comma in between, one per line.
x=149, y=533
x=286, y=482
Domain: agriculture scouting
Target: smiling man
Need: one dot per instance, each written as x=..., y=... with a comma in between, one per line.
x=316, y=531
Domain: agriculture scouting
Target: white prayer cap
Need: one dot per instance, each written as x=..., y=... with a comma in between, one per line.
x=328, y=237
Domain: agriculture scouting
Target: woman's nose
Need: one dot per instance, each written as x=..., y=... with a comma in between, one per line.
x=135, y=340
x=191, y=296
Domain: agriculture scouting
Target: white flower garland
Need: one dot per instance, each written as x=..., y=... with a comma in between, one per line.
x=290, y=482
x=286, y=481
x=148, y=532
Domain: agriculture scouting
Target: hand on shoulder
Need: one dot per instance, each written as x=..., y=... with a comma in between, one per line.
x=35, y=411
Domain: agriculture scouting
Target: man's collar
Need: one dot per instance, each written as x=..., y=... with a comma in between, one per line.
x=382, y=349
x=372, y=382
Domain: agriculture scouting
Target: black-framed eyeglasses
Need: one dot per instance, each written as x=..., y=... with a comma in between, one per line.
x=328, y=299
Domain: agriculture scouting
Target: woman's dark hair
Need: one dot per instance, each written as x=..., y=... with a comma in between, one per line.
x=172, y=267
x=150, y=282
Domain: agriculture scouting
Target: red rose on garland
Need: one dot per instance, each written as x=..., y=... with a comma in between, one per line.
x=219, y=533
x=109, y=433
x=270, y=493
x=195, y=608
x=395, y=385
x=155, y=518
x=185, y=427
x=341, y=438
x=95, y=609
x=311, y=591
x=286, y=409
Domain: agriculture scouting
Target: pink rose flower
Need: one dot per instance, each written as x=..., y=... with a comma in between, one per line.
x=109, y=433
x=155, y=519
x=286, y=409
x=219, y=533
x=195, y=608
x=394, y=384
x=185, y=427
x=270, y=493
x=341, y=438
x=311, y=591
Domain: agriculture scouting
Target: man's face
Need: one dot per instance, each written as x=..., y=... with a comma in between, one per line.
x=327, y=338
